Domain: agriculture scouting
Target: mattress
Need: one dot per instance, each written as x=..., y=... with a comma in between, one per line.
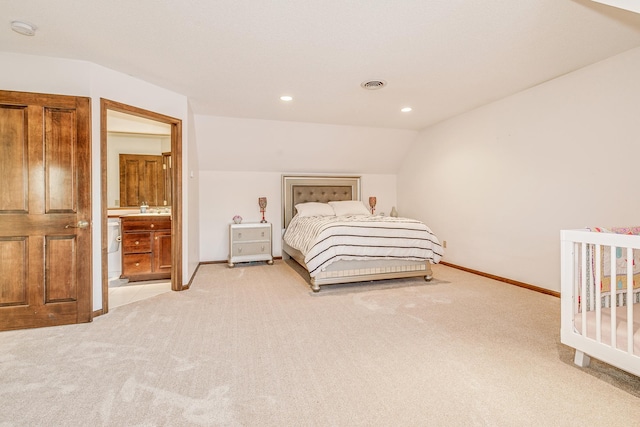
x=621, y=327
x=324, y=241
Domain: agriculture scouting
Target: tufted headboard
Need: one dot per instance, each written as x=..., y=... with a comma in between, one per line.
x=301, y=189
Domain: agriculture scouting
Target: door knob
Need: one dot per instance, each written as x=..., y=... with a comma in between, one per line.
x=80, y=224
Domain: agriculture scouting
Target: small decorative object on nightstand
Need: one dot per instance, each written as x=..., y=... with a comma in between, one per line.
x=262, y=202
x=372, y=204
x=237, y=219
x=394, y=212
x=250, y=242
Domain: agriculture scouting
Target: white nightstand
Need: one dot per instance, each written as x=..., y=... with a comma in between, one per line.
x=250, y=242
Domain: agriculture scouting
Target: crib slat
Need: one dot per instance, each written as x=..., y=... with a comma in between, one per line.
x=598, y=297
x=630, y=300
x=577, y=266
x=614, y=300
x=583, y=288
x=592, y=276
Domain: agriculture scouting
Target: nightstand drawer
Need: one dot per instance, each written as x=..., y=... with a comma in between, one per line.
x=136, y=243
x=250, y=234
x=254, y=248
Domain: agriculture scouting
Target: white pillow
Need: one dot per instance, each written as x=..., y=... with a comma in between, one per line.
x=314, y=209
x=349, y=207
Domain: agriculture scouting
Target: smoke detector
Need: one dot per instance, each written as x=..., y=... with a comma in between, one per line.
x=23, y=28
x=373, y=84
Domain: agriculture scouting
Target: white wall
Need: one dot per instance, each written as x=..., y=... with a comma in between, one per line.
x=191, y=195
x=243, y=159
x=29, y=73
x=233, y=144
x=500, y=182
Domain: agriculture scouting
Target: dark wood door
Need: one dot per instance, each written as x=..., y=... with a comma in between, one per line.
x=162, y=251
x=141, y=180
x=168, y=187
x=45, y=210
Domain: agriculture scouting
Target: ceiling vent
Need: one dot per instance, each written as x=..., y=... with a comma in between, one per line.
x=373, y=84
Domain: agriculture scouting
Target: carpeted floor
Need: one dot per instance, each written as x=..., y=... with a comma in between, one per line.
x=253, y=346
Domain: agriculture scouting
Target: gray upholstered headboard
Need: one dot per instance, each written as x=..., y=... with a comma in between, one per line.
x=301, y=189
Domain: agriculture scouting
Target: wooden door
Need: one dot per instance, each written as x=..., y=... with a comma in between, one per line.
x=168, y=187
x=45, y=210
x=141, y=180
x=162, y=251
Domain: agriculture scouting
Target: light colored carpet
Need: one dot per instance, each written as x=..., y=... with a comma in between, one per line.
x=253, y=346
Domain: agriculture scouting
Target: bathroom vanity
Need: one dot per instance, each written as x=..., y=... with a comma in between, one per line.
x=146, y=246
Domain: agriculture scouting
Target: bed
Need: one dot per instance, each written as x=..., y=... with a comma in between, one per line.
x=357, y=264
x=600, y=295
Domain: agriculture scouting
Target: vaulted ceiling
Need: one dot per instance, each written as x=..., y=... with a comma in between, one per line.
x=236, y=58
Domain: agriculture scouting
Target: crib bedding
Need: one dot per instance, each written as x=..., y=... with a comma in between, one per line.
x=621, y=327
x=324, y=240
x=620, y=280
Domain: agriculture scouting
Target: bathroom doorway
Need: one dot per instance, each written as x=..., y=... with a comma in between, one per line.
x=128, y=133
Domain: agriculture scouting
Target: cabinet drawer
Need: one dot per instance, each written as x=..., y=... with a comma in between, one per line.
x=146, y=224
x=136, y=242
x=136, y=264
x=250, y=234
x=253, y=248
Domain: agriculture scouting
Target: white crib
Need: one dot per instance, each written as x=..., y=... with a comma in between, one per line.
x=598, y=296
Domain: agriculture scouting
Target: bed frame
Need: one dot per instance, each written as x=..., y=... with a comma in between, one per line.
x=588, y=313
x=323, y=189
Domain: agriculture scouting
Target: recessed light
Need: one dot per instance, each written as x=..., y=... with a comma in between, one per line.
x=286, y=98
x=406, y=109
x=23, y=28
x=373, y=84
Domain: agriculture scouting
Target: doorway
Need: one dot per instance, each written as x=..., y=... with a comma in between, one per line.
x=173, y=197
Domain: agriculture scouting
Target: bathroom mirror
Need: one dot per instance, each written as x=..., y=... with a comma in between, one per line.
x=138, y=161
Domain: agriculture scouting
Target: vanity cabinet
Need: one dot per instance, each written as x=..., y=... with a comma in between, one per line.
x=143, y=179
x=146, y=247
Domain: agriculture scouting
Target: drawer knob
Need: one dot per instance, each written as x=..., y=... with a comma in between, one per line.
x=152, y=225
x=263, y=234
x=137, y=264
x=137, y=243
x=239, y=250
x=239, y=235
x=262, y=249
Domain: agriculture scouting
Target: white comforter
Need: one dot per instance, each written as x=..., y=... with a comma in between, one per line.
x=324, y=240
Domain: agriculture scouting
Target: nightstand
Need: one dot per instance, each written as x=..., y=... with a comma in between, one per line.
x=250, y=242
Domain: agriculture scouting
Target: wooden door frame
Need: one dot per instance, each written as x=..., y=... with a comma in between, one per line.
x=176, y=191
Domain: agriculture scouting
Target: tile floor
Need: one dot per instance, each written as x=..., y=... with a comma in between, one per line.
x=131, y=292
